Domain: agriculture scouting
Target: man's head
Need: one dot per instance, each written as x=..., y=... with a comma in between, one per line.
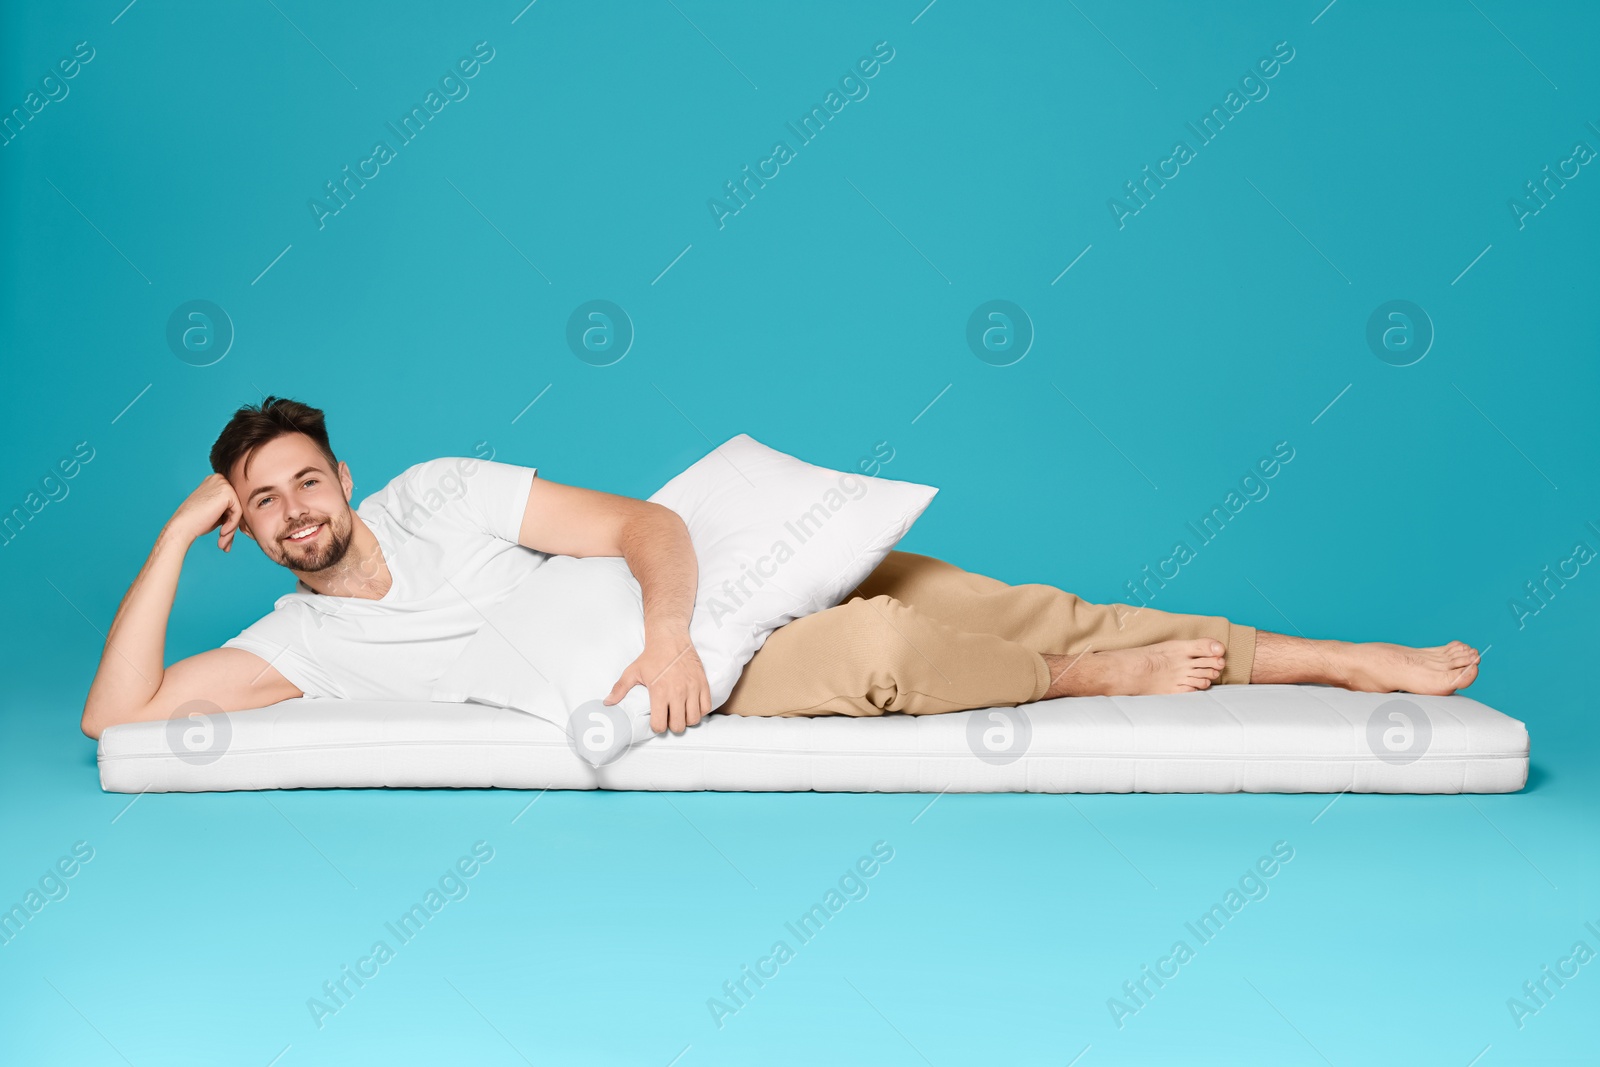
x=276, y=457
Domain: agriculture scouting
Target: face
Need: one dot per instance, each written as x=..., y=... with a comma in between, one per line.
x=286, y=488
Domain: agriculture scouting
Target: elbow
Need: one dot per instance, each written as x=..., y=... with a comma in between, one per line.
x=662, y=513
x=645, y=524
x=95, y=721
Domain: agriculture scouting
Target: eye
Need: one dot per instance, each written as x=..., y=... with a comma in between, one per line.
x=261, y=501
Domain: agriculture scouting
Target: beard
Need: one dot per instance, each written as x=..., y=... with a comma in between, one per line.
x=327, y=548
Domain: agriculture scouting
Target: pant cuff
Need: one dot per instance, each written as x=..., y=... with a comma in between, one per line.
x=1041, y=673
x=1239, y=662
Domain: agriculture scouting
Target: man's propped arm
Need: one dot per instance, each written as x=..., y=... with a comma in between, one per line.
x=130, y=684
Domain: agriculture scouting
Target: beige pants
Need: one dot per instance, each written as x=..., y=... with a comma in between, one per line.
x=923, y=636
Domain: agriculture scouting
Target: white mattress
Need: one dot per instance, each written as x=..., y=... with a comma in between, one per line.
x=1232, y=739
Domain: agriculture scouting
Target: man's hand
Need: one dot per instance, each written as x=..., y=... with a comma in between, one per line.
x=670, y=667
x=211, y=505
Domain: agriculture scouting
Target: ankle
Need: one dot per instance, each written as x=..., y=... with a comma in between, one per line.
x=1337, y=662
x=1072, y=676
x=1280, y=659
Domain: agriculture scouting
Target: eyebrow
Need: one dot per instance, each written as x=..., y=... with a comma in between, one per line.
x=294, y=478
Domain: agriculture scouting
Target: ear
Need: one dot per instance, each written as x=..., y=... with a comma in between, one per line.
x=345, y=481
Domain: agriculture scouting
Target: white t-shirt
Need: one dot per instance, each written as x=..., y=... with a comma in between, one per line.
x=448, y=529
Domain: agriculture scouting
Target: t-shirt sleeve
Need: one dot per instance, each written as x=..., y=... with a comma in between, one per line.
x=493, y=496
x=279, y=638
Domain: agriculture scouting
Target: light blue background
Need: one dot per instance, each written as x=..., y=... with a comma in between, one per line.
x=827, y=316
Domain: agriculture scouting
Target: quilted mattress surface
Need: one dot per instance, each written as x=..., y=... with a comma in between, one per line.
x=1231, y=739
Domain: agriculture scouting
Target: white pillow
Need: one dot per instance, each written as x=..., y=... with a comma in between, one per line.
x=775, y=538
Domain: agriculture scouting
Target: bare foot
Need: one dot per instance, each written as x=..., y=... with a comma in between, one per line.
x=1378, y=667
x=1165, y=667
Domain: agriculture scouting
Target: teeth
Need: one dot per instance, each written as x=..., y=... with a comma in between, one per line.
x=306, y=535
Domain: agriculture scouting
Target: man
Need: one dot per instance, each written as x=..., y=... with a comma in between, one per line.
x=389, y=593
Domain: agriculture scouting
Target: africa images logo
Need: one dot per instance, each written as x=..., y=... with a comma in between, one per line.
x=1399, y=732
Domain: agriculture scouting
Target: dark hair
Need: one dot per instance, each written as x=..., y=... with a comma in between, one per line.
x=255, y=424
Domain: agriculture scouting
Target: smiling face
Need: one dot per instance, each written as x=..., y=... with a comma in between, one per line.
x=286, y=489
